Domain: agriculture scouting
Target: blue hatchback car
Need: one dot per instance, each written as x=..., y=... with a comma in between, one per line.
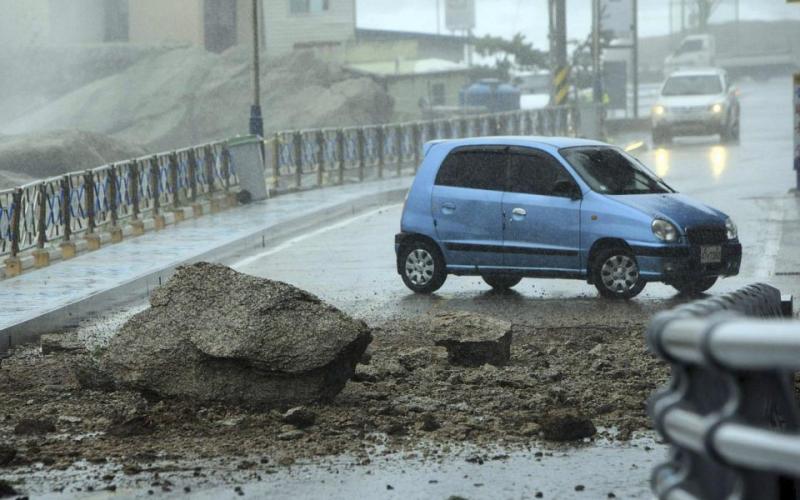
x=506, y=208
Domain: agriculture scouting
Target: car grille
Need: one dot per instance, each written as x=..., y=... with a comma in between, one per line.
x=707, y=235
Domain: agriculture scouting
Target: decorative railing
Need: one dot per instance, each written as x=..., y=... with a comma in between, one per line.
x=730, y=411
x=60, y=208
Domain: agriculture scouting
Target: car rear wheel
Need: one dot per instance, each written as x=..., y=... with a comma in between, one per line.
x=422, y=267
x=694, y=286
x=501, y=282
x=616, y=274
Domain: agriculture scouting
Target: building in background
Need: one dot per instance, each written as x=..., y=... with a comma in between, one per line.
x=216, y=25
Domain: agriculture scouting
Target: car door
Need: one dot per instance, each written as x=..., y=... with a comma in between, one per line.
x=541, y=206
x=467, y=206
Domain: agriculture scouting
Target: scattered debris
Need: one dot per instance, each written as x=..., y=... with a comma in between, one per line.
x=29, y=426
x=565, y=425
x=7, y=455
x=300, y=417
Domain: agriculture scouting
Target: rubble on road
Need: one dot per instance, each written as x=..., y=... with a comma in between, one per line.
x=472, y=339
x=215, y=335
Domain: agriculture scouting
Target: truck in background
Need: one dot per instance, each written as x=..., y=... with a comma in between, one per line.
x=698, y=51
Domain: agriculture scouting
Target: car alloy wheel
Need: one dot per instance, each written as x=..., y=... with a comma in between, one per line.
x=616, y=274
x=419, y=267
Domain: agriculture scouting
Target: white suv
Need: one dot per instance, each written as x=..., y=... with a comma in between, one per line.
x=696, y=102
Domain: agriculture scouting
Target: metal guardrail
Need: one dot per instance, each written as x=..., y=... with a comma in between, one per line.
x=730, y=411
x=60, y=208
x=302, y=159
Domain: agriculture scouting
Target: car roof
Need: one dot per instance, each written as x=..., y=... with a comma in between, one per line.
x=698, y=72
x=522, y=140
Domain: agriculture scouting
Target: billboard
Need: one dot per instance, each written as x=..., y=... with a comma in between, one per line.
x=616, y=19
x=459, y=15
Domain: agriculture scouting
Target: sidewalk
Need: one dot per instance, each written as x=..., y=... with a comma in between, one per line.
x=64, y=293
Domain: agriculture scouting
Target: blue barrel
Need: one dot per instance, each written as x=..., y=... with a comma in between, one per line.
x=491, y=94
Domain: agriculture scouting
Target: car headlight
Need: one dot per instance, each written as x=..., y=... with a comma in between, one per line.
x=659, y=110
x=717, y=108
x=664, y=230
x=733, y=232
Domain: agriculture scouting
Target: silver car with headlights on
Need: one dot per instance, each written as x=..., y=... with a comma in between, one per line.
x=696, y=102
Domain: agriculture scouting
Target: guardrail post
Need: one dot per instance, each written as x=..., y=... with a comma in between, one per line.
x=448, y=129
x=361, y=149
x=433, y=131
x=173, y=181
x=41, y=257
x=463, y=127
x=115, y=230
x=92, y=239
x=415, y=140
x=226, y=176
x=155, y=177
x=528, y=123
x=381, y=138
x=13, y=264
x=137, y=226
x=68, y=249
x=320, y=157
x=209, y=164
x=276, y=161
x=340, y=154
x=298, y=159
x=399, y=148
x=197, y=208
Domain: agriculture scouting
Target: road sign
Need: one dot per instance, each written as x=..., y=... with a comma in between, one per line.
x=616, y=19
x=459, y=15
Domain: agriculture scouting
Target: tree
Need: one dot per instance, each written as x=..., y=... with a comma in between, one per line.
x=515, y=52
x=704, y=10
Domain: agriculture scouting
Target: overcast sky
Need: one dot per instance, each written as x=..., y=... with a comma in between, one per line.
x=506, y=17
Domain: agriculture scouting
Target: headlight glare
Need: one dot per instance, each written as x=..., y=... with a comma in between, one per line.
x=733, y=232
x=659, y=110
x=664, y=230
x=716, y=108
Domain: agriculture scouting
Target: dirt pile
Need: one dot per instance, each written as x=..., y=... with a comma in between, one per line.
x=188, y=96
x=212, y=334
x=46, y=154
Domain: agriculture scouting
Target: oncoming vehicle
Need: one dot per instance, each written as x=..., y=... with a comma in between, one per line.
x=506, y=208
x=696, y=102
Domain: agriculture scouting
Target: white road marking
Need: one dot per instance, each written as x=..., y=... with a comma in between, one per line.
x=289, y=243
x=765, y=267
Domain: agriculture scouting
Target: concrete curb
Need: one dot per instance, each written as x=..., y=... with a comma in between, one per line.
x=72, y=314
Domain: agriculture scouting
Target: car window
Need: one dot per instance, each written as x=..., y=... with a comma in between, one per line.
x=690, y=46
x=475, y=169
x=609, y=170
x=692, y=85
x=535, y=173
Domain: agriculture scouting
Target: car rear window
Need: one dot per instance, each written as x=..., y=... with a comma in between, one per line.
x=474, y=169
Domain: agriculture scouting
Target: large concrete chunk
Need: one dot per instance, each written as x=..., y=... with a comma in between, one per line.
x=213, y=334
x=473, y=340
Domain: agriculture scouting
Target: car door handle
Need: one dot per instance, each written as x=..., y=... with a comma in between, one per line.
x=448, y=208
x=519, y=211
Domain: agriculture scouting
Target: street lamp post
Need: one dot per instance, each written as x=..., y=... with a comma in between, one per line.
x=256, y=120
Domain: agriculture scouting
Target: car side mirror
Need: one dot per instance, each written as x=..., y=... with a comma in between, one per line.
x=567, y=189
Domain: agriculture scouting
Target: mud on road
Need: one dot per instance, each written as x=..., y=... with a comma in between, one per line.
x=408, y=398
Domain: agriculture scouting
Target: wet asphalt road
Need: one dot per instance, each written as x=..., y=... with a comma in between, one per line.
x=351, y=264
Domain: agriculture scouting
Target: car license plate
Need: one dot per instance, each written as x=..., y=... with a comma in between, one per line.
x=710, y=254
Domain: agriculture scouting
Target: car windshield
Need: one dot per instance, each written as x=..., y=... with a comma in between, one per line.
x=611, y=171
x=692, y=85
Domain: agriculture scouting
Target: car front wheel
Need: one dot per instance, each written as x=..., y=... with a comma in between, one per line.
x=422, y=267
x=616, y=274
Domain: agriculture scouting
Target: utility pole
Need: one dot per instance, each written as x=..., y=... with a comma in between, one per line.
x=635, y=34
x=558, y=51
x=256, y=120
x=597, y=88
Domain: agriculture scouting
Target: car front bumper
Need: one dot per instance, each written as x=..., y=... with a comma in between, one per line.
x=678, y=262
x=690, y=123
